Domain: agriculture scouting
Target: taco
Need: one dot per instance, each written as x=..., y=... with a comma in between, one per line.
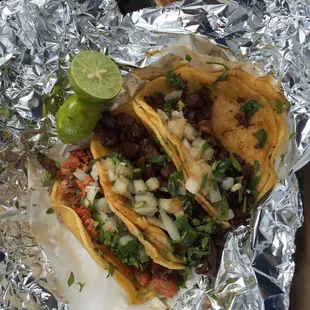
x=79, y=201
x=142, y=184
x=225, y=128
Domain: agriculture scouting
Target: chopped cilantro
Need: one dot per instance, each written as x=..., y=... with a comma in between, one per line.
x=173, y=183
x=204, y=180
x=93, y=161
x=252, y=107
x=217, y=63
x=262, y=136
x=81, y=286
x=230, y=281
x=205, y=242
x=129, y=253
x=188, y=58
x=235, y=162
x=158, y=159
x=106, y=237
x=280, y=107
x=57, y=165
x=46, y=179
x=78, y=191
x=111, y=270
x=255, y=179
x=174, y=80
x=221, y=166
x=282, y=156
x=50, y=210
x=71, y=279
x=205, y=146
x=223, y=77
x=117, y=157
x=207, y=228
x=34, y=204
x=223, y=210
x=168, y=284
x=197, y=253
x=293, y=135
x=169, y=106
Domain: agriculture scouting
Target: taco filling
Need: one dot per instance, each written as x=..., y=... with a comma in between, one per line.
x=80, y=189
x=140, y=170
x=231, y=183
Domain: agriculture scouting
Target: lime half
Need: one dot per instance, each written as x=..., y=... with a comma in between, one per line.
x=94, y=77
x=76, y=119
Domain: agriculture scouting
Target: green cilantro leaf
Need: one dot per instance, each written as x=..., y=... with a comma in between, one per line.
x=293, y=135
x=223, y=77
x=280, y=107
x=262, y=136
x=174, y=80
x=158, y=159
x=129, y=253
x=111, y=270
x=71, y=279
x=173, y=183
x=204, y=180
x=50, y=210
x=34, y=204
x=235, y=162
x=81, y=286
x=46, y=179
x=252, y=107
x=188, y=58
x=205, y=146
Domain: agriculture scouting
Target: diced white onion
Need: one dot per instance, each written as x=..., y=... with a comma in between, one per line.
x=120, y=186
x=148, y=198
x=230, y=214
x=155, y=221
x=125, y=239
x=91, y=193
x=164, y=117
x=208, y=153
x=192, y=185
x=103, y=206
x=108, y=224
x=86, y=203
x=199, y=142
x=190, y=133
x=173, y=205
x=80, y=175
x=236, y=187
x=176, y=114
x=131, y=187
x=147, y=211
x=214, y=195
x=108, y=163
x=196, y=170
x=174, y=95
x=143, y=256
x=186, y=144
x=112, y=175
x=227, y=183
x=139, y=186
x=177, y=126
x=170, y=226
x=152, y=184
x=94, y=172
x=163, y=203
x=123, y=169
x=195, y=152
x=182, y=190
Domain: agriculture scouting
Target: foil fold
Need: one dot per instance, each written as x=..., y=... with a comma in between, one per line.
x=37, y=42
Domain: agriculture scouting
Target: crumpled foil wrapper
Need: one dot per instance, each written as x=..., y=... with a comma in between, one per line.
x=37, y=41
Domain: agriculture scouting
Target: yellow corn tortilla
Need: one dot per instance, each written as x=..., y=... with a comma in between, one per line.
x=236, y=139
x=120, y=206
x=136, y=294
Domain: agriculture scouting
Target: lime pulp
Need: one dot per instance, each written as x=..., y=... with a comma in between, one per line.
x=94, y=77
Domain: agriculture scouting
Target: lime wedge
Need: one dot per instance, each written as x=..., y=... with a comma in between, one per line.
x=94, y=77
x=76, y=119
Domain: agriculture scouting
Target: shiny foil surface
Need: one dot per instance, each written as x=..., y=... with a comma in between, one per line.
x=37, y=41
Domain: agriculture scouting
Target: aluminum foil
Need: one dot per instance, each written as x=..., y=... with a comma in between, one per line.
x=37, y=41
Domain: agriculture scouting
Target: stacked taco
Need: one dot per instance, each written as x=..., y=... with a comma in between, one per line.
x=190, y=155
x=125, y=200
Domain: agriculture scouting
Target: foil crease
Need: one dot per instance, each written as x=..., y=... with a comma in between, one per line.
x=37, y=41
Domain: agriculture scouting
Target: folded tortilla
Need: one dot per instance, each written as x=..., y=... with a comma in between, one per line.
x=136, y=294
x=236, y=139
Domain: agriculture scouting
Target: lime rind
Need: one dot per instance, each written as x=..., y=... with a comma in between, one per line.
x=94, y=77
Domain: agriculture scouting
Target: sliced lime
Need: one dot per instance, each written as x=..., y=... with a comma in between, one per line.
x=76, y=119
x=94, y=77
